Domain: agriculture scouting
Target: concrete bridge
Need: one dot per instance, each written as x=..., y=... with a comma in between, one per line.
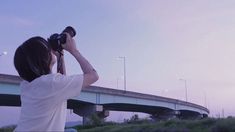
x=101, y=100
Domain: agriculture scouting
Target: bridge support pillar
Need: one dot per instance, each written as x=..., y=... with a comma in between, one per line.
x=95, y=118
x=88, y=111
x=204, y=115
x=165, y=115
x=190, y=115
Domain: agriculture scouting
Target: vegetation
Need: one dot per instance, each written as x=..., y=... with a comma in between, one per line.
x=8, y=128
x=135, y=124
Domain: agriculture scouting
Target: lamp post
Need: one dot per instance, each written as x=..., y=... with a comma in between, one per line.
x=186, y=89
x=117, y=82
x=124, y=70
x=205, y=100
x=164, y=92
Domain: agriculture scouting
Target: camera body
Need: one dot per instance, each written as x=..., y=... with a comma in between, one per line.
x=57, y=40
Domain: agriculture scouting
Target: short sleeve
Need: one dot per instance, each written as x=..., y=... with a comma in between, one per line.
x=66, y=87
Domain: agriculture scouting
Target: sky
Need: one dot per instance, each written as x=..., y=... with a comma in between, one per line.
x=163, y=41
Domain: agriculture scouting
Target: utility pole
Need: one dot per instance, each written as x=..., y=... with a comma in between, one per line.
x=124, y=70
x=186, y=89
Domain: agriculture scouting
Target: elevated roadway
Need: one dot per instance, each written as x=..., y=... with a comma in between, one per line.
x=101, y=100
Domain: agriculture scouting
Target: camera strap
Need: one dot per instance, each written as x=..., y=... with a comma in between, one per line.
x=60, y=63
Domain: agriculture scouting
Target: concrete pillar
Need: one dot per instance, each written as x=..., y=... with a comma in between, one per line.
x=190, y=115
x=165, y=115
x=86, y=120
x=87, y=111
x=204, y=115
x=101, y=115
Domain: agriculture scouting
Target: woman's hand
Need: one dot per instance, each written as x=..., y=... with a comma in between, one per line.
x=70, y=44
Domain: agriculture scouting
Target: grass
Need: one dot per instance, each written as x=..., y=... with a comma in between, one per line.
x=174, y=125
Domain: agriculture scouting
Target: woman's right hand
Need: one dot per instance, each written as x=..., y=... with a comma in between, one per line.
x=70, y=44
x=90, y=75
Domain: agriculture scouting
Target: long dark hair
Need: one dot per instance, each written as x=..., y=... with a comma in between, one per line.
x=32, y=59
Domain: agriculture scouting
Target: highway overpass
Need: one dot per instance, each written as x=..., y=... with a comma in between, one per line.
x=102, y=100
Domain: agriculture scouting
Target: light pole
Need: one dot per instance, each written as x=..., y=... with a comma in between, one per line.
x=124, y=68
x=205, y=100
x=164, y=92
x=186, y=89
x=117, y=82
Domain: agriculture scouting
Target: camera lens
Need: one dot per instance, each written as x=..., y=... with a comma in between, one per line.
x=70, y=30
x=56, y=40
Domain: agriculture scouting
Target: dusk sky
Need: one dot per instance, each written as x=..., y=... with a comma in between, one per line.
x=163, y=41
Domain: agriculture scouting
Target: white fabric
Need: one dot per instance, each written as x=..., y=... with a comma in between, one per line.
x=44, y=102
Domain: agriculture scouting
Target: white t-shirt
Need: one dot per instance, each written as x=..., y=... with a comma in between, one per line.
x=44, y=101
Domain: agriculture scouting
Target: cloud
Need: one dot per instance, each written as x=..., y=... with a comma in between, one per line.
x=16, y=21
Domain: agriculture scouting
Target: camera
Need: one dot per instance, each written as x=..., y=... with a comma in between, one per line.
x=57, y=40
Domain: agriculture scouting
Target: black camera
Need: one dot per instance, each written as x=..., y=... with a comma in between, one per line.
x=56, y=40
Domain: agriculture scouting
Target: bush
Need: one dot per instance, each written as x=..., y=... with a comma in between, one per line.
x=175, y=125
x=95, y=120
x=224, y=125
x=136, y=120
x=8, y=128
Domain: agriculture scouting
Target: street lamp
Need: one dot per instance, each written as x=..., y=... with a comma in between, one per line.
x=124, y=70
x=205, y=100
x=117, y=82
x=164, y=92
x=3, y=53
x=186, y=89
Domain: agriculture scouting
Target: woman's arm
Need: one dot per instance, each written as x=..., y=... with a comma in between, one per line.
x=61, y=64
x=90, y=74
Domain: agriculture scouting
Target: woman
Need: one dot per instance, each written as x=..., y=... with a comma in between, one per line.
x=44, y=95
